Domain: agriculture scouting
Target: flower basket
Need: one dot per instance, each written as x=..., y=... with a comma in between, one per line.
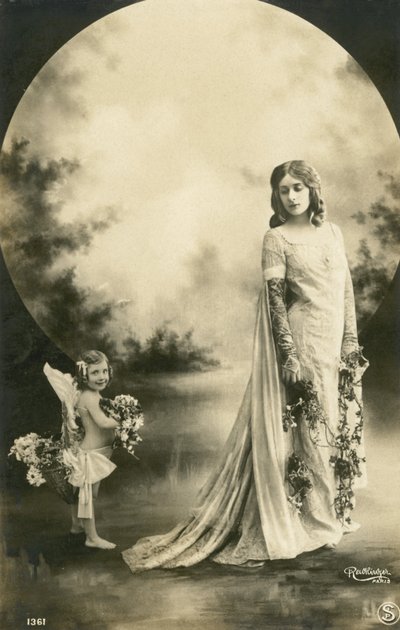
x=55, y=479
x=44, y=457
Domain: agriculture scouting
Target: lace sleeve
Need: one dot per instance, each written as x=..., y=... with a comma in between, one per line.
x=350, y=339
x=273, y=257
x=274, y=271
x=280, y=324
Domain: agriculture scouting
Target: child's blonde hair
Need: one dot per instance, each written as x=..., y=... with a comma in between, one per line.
x=89, y=357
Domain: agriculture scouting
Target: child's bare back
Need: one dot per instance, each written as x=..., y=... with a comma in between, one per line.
x=99, y=429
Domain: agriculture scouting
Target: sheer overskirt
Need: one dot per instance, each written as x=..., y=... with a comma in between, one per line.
x=242, y=512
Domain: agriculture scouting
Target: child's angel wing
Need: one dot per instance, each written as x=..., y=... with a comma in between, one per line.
x=65, y=388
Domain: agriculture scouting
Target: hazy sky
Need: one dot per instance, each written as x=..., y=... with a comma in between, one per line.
x=177, y=111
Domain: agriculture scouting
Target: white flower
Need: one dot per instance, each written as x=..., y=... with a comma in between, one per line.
x=139, y=421
x=126, y=400
x=34, y=477
x=124, y=435
x=24, y=448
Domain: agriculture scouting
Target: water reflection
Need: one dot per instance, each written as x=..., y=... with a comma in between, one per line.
x=285, y=594
x=48, y=573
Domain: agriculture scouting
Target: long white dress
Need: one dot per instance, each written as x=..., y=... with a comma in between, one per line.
x=243, y=513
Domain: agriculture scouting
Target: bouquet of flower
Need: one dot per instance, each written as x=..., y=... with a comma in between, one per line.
x=127, y=411
x=43, y=456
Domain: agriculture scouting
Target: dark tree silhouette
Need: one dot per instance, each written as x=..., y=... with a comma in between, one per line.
x=166, y=351
x=372, y=274
x=34, y=238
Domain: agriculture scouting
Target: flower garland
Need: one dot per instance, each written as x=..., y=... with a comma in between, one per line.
x=300, y=481
x=347, y=463
x=305, y=407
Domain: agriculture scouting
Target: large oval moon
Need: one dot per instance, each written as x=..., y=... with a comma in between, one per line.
x=136, y=169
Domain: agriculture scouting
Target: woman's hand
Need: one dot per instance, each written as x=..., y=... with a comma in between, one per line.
x=289, y=377
x=353, y=359
x=291, y=371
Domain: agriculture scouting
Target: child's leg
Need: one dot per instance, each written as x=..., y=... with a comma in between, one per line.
x=76, y=526
x=89, y=524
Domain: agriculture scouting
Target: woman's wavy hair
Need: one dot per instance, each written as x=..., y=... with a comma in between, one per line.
x=310, y=178
x=89, y=357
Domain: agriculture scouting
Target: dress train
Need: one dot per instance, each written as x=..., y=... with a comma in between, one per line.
x=242, y=512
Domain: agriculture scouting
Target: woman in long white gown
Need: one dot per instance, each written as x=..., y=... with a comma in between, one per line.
x=305, y=327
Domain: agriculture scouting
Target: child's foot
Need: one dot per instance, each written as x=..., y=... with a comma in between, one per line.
x=99, y=543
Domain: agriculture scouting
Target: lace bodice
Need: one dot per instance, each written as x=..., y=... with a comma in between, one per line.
x=310, y=294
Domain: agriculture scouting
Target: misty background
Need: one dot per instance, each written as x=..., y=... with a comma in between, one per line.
x=135, y=177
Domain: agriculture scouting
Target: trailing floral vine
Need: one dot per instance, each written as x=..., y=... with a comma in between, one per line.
x=305, y=407
x=346, y=462
x=299, y=477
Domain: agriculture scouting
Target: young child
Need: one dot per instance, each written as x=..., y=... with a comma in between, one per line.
x=93, y=374
x=89, y=456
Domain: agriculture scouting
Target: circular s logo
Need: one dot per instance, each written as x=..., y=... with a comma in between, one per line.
x=388, y=613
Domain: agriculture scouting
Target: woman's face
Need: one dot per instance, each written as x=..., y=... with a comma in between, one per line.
x=98, y=376
x=294, y=195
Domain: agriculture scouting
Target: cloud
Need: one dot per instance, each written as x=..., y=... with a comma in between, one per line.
x=392, y=185
x=96, y=41
x=252, y=179
x=217, y=300
x=352, y=69
x=360, y=217
x=54, y=94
